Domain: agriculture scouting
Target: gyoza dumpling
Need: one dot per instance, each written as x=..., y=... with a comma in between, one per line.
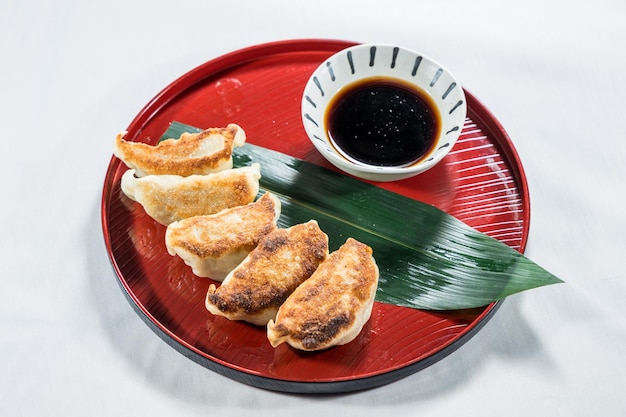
x=331, y=307
x=213, y=245
x=169, y=198
x=283, y=259
x=193, y=153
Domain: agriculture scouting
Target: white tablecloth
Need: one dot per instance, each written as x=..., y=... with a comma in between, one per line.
x=75, y=73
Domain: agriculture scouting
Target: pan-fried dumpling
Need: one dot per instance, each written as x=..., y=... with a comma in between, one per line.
x=283, y=259
x=169, y=198
x=331, y=307
x=213, y=245
x=193, y=153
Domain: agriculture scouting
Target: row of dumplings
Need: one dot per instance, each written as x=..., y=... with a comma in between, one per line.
x=281, y=278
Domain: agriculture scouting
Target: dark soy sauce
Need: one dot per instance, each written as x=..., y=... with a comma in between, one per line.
x=383, y=122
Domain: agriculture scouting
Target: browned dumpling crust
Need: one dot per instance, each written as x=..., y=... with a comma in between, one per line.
x=169, y=198
x=213, y=245
x=192, y=154
x=331, y=307
x=283, y=259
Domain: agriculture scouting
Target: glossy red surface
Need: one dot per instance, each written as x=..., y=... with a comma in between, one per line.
x=481, y=182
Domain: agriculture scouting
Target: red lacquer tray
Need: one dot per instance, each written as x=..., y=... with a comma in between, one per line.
x=481, y=182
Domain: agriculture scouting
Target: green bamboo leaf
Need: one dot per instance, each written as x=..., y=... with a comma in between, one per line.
x=427, y=258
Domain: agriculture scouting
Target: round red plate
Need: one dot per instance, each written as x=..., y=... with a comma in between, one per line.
x=481, y=182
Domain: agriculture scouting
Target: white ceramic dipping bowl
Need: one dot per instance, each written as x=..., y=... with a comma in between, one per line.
x=361, y=63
